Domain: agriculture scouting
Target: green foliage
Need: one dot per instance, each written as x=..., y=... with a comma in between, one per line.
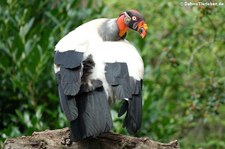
x=184, y=84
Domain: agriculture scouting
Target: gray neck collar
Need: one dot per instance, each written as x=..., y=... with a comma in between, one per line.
x=109, y=31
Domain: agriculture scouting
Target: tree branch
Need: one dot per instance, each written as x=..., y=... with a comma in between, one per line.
x=59, y=139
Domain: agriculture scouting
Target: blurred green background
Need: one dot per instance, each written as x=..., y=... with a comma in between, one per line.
x=184, y=55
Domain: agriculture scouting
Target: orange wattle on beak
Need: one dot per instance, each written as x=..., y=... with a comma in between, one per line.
x=142, y=29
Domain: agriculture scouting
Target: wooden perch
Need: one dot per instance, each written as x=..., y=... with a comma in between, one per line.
x=59, y=139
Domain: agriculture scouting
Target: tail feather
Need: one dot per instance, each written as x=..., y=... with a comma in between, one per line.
x=94, y=115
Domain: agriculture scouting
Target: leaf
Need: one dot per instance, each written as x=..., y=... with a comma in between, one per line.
x=25, y=29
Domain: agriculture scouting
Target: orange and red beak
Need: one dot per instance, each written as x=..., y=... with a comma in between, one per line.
x=142, y=29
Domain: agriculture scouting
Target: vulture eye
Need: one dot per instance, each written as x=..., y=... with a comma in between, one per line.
x=134, y=18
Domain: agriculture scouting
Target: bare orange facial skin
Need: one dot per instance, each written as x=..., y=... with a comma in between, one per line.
x=122, y=26
x=142, y=29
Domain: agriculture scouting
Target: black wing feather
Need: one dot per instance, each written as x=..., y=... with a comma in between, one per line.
x=133, y=117
x=117, y=76
x=124, y=86
x=67, y=102
x=69, y=80
x=83, y=101
x=68, y=59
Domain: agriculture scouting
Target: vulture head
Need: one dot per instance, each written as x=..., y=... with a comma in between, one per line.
x=131, y=19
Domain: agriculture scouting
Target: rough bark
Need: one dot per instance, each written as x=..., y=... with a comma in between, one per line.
x=59, y=139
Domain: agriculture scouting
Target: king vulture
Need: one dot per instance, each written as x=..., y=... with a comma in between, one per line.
x=95, y=65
